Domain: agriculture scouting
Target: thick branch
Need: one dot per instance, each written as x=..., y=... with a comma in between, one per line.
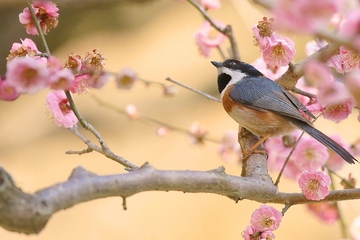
x=29, y=213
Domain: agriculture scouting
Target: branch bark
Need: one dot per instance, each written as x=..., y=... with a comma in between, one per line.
x=29, y=213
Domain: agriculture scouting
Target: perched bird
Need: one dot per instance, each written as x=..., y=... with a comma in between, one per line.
x=263, y=107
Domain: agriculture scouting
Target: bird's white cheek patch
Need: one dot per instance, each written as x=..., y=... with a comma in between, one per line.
x=236, y=75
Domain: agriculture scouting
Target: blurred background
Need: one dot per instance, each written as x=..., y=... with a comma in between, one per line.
x=156, y=39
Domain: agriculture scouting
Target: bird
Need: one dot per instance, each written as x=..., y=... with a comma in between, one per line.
x=265, y=108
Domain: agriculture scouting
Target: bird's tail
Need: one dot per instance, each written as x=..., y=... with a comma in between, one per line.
x=321, y=137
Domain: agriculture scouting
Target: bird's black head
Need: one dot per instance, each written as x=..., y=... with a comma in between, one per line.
x=233, y=70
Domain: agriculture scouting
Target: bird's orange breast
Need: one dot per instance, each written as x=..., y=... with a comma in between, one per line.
x=257, y=120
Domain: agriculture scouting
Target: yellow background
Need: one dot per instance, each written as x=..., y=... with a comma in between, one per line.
x=157, y=40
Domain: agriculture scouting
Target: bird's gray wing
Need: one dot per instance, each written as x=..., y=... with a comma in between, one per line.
x=264, y=94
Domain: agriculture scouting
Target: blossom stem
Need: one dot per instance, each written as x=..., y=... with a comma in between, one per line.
x=348, y=183
x=38, y=27
x=343, y=226
x=301, y=92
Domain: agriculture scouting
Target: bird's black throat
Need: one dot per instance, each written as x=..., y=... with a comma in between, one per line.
x=223, y=80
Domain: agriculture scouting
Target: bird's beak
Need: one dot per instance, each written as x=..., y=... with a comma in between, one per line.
x=216, y=64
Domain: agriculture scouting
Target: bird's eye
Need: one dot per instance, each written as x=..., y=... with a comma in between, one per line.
x=233, y=64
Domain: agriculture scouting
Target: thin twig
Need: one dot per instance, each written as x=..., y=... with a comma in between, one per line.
x=208, y=96
x=344, y=180
x=105, y=150
x=221, y=53
x=336, y=38
x=147, y=119
x=287, y=160
x=301, y=92
x=234, y=48
x=129, y=166
x=286, y=207
x=38, y=27
x=341, y=218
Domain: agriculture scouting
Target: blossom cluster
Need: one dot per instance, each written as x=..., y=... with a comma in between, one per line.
x=263, y=222
x=29, y=70
x=276, y=50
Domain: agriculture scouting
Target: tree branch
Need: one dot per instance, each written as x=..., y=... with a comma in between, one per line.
x=29, y=213
x=289, y=79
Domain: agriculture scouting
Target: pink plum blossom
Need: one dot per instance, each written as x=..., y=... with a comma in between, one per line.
x=306, y=16
x=74, y=63
x=280, y=51
x=325, y=211
x=272, y=73
x=314, y=185
x=27, y=75
x=250, y=233
x=79, y=84
x=7, y=92
x=317, y=74
x=263, y=31
x=267, y=235
x=54, y=64
x=62, y=79
x=162, y=131
x=352, y=84
x=229, y=145
x=204, y=50
x=47, y=14
x=350, y=59
x=310, y=154
x=126, y=78
x=132, y=112
x=265, y=218
x=315, y=108
x=278, y=149
x=208, y=37
x=334, y=62
x=27, y=47
x=58, y=104
x=276, y=50
x=211, y=4
x=355, y=147
x=351, y=24
x=196, y=133
x=93, y=62
x=339, y=111
x=337, y=101
x=170, y=91
x=98, y=80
